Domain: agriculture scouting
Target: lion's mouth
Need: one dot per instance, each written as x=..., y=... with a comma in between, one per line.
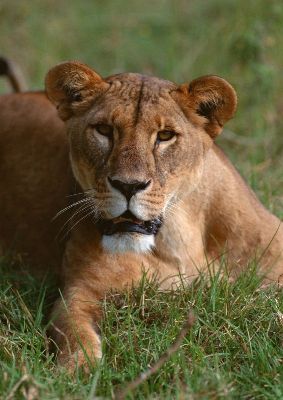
x=127, y=222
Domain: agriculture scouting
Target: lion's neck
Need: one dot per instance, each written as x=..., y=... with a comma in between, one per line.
x=221, y=214
x=230, y=200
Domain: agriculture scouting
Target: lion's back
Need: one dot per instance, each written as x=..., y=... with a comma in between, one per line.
x=34, y=174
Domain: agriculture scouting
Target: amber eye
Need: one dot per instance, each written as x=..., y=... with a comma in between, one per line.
x=164, y=136
x=104, y=129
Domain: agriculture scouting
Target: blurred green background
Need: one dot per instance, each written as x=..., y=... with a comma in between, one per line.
x=240, y=40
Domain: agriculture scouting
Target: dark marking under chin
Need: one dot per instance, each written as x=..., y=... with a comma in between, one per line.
x=108, y=227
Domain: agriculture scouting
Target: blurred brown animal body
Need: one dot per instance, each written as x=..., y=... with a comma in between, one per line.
x=160, y=196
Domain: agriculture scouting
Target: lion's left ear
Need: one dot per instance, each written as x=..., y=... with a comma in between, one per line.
x=72, y=87
x=210, y=101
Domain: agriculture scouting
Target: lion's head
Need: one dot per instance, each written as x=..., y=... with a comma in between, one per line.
x=138, y=143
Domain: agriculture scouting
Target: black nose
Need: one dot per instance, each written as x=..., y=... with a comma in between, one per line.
x=128, y=189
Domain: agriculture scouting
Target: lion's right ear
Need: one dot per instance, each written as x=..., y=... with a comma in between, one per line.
x=72, y=87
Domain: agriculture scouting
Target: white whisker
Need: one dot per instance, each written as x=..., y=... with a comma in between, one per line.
x=73, y=226
x=173, y=208
x=82, y=208
x=70, y=206
x=87, y=191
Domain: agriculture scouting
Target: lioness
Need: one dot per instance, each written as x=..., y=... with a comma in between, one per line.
x=157, y=194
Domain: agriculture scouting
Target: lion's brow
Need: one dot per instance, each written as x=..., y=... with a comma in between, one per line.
x=136, y=120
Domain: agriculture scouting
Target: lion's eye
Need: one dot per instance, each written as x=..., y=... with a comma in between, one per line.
x=104, y=129
x=164, y=136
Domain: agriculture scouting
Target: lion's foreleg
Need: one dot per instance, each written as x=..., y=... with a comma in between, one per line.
x=75, y=329
x=77, y=314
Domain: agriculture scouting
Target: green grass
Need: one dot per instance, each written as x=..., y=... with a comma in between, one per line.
x=235, y=348
x=233, y=351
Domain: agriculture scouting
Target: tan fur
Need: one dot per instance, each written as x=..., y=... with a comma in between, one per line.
x=207, y=208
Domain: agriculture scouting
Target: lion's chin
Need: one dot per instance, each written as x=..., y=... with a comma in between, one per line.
x=128, y=242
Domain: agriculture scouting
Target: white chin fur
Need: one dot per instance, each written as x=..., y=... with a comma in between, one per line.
x=125, y=242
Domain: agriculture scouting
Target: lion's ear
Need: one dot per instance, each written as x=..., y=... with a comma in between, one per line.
x=72, y=87
x=211, y=100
